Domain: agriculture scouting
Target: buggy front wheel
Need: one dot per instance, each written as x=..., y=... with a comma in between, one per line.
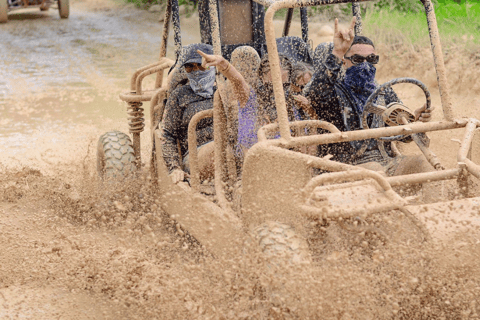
x=3, y=11
x=115, y=156
x=63, y=8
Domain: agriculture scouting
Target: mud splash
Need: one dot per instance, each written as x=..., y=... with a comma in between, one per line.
x=75, y=248
x=69, y=242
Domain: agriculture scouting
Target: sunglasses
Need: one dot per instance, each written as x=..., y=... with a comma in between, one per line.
x=189, y=67
x=356, y=58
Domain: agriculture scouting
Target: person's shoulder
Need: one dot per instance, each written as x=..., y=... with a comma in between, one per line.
x=182, y=91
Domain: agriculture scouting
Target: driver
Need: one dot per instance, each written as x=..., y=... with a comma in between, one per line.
x=340, y=99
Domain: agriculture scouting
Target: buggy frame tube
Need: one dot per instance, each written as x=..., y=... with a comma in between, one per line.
x=177, y=34
x=356, y=11
x=288, y=22
x=215, y=29
x=192, y=146
x=163, y=47
x=304, y=23
x=438, y=59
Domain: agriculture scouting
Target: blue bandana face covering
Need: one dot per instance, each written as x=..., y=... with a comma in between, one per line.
x=202, y=82
x=360, y=81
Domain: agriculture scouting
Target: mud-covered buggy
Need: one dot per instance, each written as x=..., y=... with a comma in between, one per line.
x=7, y=6
x=281, y=191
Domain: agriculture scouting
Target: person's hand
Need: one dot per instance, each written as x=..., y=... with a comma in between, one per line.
x=343, y=39
x=423, y=114
x=177, y=175
x=305, y=104
x=302, y=101
x=211, y=60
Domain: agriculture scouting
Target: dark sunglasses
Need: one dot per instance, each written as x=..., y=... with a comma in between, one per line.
x=189, y=67
x=356, y=58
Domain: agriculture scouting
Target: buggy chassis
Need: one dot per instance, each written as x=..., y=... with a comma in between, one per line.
x=277, y=182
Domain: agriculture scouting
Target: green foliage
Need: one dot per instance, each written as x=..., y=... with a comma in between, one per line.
x=458, y=23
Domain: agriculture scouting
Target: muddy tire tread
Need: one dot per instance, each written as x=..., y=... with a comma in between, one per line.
x=115, y=156
x=280, y=242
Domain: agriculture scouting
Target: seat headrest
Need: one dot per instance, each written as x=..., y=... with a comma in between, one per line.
x=295, y=49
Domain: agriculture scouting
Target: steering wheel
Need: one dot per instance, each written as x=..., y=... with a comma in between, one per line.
x=392, y=114
x=398, y=114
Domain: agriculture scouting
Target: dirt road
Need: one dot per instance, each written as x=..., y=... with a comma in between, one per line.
x=73, y=249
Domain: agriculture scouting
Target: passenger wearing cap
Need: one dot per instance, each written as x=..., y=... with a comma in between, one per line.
x=340, y=101
x=183, y=103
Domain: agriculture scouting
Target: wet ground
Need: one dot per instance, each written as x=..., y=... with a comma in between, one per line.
x=72, y=250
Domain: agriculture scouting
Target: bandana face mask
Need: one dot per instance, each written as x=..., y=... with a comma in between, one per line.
x=360, y=80
x=202, y=82
x=361, y=76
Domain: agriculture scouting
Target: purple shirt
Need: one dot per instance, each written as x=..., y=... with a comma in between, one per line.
x=248, y=124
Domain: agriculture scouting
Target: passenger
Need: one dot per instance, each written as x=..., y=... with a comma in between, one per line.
x=341, y=101
x=257, y=106
x=182, y=105
x=301, y=75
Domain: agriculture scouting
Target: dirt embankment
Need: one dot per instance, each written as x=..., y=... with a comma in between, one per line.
x=76, y=249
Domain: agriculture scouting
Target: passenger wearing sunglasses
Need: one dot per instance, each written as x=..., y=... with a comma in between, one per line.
x=341, y=85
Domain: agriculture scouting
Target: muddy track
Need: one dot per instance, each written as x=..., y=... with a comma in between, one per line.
x=71, y=248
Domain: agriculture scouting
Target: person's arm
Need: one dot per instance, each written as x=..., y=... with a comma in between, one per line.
x=322, y=87
x=171, y=124
x=241, y=89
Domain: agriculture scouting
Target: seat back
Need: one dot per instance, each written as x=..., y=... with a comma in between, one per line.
x=246, y=60
x=321, y=53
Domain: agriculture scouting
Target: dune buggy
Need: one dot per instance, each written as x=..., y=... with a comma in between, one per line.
x=7, y=6
x=280, y=190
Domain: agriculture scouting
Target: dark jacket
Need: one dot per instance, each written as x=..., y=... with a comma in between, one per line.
x=181, y=106
x=333, y=103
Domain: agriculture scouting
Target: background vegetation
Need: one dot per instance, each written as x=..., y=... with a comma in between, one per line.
x=392, y=20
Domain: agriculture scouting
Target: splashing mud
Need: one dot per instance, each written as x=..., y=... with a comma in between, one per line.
x=74, y=248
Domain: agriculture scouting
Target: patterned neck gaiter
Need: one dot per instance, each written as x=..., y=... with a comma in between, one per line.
x=360, y=81
x=202, y=82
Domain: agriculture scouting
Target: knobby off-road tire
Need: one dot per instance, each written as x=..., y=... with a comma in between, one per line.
x=3, y=11
x=281, y=244
x=115, y=156
x=64, y=8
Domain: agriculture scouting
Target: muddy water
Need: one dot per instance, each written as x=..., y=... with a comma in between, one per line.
x=74, y=249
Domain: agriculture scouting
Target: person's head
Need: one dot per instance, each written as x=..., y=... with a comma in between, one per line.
x=360, y=61
x=301, y=75
x=361, y=50
x=192, y=60
x=264, y=70
x=201, y=79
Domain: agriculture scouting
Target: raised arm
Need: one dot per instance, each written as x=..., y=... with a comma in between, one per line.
x=241, y=89
x=322, y=88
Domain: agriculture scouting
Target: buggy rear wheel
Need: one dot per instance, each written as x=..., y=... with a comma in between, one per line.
x=3, y=11
x=115, y=156
x=63, y=8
